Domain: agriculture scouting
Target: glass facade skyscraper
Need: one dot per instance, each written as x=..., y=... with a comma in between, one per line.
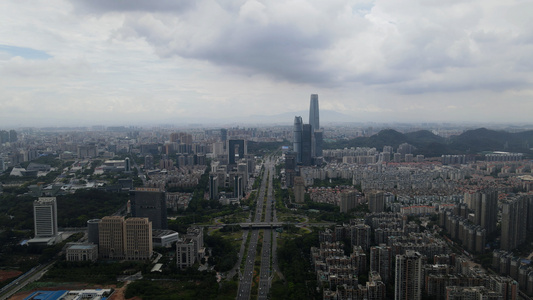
x=314, y=119
x=297, y=138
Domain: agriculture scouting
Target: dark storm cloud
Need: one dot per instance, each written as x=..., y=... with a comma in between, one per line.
x=281, y=51
x=252, y=38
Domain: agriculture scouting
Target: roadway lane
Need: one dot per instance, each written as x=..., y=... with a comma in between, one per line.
x=246, y=279
x=266, y=270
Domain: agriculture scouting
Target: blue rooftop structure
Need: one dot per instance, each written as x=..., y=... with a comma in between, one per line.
x=47, y=295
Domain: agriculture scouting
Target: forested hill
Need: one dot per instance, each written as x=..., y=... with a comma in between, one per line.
x=431, y=145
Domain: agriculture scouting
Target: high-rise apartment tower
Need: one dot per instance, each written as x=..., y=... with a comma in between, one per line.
x=514, y=222
x=408, y=277
x=485, y=207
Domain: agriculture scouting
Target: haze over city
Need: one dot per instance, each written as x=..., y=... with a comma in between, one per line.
x=266, y=150
x=72, y=63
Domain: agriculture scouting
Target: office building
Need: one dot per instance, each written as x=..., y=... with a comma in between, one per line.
x=45, y=217
x=307, y=145
x=111, y=237
x=4, y=136
x=314, y=121
x=185, y=254
x=45, y=221
x=236, y=147
x=149, y=162
x=299, y=189
x=213, y=186
x=514, y=222
x=408, y=277
x=138, y=239
x=297, y=138
x=150, y=203
x=319, y=139
x=164, y=238
x=127, y=164
x=190, y=248
x=121, y=238
x=196, y=234
x=290, y=167
x=92, y=229
x=223, y=135
x=237, y=181
x=12, y=136
x=87, y=151
x=82, y=252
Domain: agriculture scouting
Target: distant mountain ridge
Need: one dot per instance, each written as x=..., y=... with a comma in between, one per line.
x=431, y=145
x=326, y=116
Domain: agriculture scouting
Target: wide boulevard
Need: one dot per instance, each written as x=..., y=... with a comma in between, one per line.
x=263, y=214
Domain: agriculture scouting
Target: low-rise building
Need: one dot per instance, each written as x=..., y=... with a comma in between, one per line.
x=82, y=252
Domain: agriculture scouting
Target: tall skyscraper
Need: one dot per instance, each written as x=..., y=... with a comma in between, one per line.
x=408, y=277
x=314, y=119
x=223, y=134
x=213, y=186
x=307, y=145
x=45, y=217
x=237, y=186
x=318, y=138
x=297, y=138
x=150, y=203
x=236, y=147
x=127, y=164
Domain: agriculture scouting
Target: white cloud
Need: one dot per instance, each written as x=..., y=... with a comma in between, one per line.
x=392, y=59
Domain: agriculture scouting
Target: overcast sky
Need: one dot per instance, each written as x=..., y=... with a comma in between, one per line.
x=85, y=62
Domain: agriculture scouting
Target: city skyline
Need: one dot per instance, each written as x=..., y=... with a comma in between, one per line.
x=79, y=63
